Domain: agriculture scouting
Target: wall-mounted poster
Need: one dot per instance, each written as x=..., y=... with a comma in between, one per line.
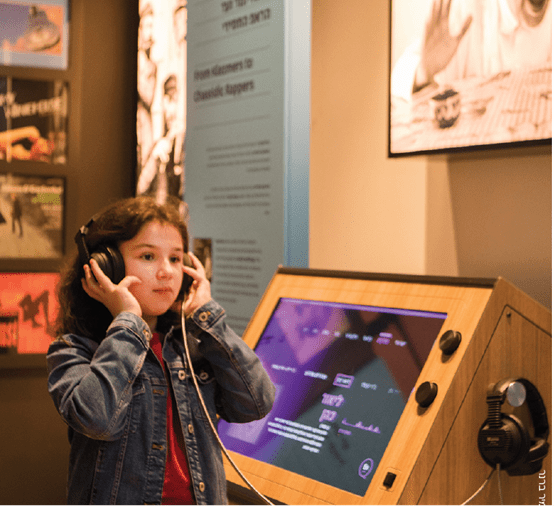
x=161, y=106
x=34, y=34
x=28, y=310
x=31, y=216
x=33, y=120
x=469, y=73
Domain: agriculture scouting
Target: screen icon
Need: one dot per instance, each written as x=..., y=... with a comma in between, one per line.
x=343, y=380
x=365, y=468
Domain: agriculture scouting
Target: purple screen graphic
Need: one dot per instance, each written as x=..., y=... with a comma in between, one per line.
x=343, y=374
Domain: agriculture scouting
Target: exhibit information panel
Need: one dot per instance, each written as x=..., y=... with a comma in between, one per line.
x=343, y=375
x=237, y=147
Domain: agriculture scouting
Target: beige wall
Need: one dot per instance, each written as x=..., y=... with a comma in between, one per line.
x=479, y=214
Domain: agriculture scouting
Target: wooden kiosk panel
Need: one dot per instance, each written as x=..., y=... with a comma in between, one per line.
x=513, y=340
x=432, y=453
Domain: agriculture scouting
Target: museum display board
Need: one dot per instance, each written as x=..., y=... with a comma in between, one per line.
x=247, y=143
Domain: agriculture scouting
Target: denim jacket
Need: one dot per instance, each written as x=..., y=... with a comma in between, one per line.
x=112, y=396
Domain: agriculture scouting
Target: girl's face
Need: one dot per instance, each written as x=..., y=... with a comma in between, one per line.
x=155, y=256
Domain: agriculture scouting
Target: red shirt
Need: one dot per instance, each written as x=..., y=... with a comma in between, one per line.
x=177, y=487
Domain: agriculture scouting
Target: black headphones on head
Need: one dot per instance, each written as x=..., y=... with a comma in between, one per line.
x=110, y=259
x=503, y=439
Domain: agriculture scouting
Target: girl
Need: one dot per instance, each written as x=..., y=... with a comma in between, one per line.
x=118, y=375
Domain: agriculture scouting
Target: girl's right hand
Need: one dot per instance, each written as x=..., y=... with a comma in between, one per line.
x=117, y=298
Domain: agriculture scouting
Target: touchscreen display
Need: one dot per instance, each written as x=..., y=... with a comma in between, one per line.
x=343, y=375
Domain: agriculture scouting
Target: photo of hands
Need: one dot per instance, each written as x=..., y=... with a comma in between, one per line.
x=469, y=73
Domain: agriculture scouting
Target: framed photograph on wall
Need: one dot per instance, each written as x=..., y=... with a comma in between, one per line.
x=161, y=101
x=31, y=217
x=33, y=120
x=28, y=309
x=34, y=34
x=469, y=73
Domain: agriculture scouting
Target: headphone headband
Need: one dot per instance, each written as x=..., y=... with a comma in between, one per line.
x=534, y=401
x=80, y=239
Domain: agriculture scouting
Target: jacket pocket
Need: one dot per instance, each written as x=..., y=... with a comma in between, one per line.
x=208, y=388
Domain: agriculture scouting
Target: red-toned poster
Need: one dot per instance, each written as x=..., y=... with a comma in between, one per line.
x=28, y=308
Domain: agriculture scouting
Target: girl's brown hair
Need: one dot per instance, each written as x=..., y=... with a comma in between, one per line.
x=119, y=222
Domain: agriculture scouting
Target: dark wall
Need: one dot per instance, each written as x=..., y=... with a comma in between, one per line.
x=99, y=170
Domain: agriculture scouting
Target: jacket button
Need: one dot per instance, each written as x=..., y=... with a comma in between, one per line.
x=191, y=428
x=203, y=316
x=201, y=486
x=182, y=375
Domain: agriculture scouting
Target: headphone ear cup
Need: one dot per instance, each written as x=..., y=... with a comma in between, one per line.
x=533, y=463
x=111, y=262
x=539, y=449
x=504, y=445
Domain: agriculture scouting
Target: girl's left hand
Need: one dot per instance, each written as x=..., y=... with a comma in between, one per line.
x=200, y=291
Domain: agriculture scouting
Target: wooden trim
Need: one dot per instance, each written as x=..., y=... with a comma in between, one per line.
x=400, y=278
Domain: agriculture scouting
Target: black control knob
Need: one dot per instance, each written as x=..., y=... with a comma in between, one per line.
x=450, y=341
x=426, y=393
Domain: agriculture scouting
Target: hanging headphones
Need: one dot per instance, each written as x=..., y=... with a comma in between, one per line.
x=109, y=258
x=503, y=439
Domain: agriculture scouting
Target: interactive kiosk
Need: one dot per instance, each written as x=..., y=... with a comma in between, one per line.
x=393, y=390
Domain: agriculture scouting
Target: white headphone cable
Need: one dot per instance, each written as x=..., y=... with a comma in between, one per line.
x=205, y=409
x=480, y=489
